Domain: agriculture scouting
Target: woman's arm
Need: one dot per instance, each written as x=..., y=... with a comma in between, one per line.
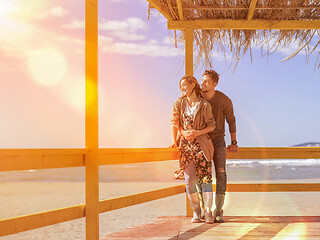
x=190, y=135
x=174, y=134
x=175, y=123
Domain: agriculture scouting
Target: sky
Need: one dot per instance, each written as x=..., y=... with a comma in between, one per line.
x=42, y=81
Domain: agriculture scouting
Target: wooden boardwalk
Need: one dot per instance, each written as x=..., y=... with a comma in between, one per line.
x=262, y=228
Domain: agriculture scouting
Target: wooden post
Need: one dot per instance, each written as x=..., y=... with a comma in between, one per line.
x=189, y=51
x=189, y=71
x=189, y=211
x=91, y=120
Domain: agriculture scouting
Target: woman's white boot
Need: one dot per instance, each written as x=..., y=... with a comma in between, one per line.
x=195, y=205
x=208, y=200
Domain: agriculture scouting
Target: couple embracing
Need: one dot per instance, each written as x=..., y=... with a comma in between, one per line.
x=199, y=116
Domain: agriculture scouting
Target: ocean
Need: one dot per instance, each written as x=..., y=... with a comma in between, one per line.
x=237, y=170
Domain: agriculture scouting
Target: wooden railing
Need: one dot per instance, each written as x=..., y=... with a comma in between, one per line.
x=26, y=159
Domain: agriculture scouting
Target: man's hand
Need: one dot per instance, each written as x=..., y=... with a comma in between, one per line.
x=232, y=148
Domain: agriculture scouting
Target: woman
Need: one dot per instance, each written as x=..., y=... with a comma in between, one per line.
x=192, y=117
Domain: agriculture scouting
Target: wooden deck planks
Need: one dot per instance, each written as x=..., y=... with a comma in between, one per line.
x=244, y=228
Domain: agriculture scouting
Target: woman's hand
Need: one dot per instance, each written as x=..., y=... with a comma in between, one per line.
x=173, y=145
x=185, y=134
x=191, y=135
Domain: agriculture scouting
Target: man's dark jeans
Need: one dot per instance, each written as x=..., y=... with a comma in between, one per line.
x=219, y=163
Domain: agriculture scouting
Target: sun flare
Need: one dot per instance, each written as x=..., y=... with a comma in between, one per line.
x=74, y=92
x=19, y=8
x=47, y=66
x=5, y=7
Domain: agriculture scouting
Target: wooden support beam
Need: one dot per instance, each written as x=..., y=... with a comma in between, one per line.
x=189, y=51
x=26, y=159
x=162, y=9
x=37, y=220
x=273, y=187
x=243, y=24
x=189, y=71
x=91, y=119
x=189, y=211
x=130, y=200
x=276, y=153
x=253, y=4
x=137, y=155
x=179, y=4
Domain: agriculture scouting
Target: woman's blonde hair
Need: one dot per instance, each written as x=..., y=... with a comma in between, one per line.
x=191, y=79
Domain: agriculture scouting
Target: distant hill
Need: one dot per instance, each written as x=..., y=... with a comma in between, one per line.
x=308, y=144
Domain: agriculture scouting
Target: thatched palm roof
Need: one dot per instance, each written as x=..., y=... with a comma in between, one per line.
x=236, y=26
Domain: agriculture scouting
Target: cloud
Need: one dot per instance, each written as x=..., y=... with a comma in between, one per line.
x=130, y=24
x=58, y=12
x=150, y=49
x=105, y=40
x=168, y=40
x=129, y=29
x=128, y=36
x=71, y=40
x=285, y=51
x=153, y=41
x=15, y=39
x=157, y=16
x=120, y=35
x=10, y=51
x=75, y=24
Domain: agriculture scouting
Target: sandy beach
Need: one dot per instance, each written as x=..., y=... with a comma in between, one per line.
x=20, y=198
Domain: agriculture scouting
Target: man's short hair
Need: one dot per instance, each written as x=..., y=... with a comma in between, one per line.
x=212, y=74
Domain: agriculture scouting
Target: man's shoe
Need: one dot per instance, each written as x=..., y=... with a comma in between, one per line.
x=218, y=212
x=218, y=218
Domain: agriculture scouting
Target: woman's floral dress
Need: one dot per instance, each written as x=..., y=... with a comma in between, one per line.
x=191, y=151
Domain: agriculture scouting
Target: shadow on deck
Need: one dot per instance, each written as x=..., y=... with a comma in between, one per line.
x=270, y=227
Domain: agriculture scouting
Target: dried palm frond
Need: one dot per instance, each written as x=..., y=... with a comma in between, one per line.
x=238, y=43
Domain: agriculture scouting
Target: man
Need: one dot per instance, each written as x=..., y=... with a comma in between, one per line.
x=222, y=110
